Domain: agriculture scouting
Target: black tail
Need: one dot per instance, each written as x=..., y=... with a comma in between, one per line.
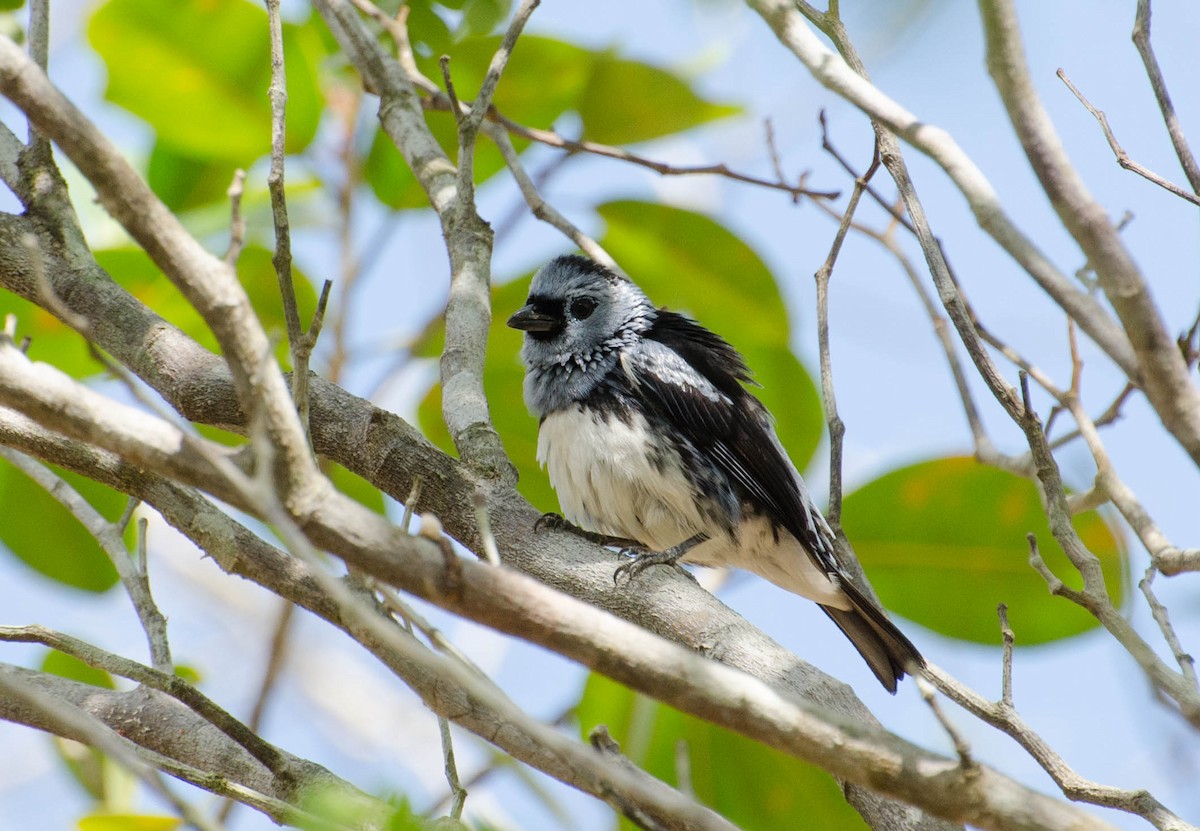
x=888, y=653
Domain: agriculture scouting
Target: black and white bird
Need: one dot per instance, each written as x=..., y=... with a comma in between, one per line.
x=650, y=437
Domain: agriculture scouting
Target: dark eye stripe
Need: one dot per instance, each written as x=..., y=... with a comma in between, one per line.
x=547, y=305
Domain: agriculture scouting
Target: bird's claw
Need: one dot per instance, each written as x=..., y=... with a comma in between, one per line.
x=639, y=560
x=551, y=522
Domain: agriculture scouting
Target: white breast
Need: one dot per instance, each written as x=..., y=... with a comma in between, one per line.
x=608, y=480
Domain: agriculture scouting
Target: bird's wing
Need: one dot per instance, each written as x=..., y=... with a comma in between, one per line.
x=694, y=379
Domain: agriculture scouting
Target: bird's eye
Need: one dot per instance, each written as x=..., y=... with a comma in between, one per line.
x=582, y=308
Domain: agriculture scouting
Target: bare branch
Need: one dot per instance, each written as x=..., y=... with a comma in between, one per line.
x=237, y=222
x=1141, y=39
x=1122, y=157
x=1161, y=371
x=67, y=720
x=108, y=535
x=835, y=73
x=837, y=428
x=1003, y=717
x=207, y=282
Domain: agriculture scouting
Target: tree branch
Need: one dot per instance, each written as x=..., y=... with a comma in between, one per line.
x=513, y=603
x=836, y=74
x=1161, y=370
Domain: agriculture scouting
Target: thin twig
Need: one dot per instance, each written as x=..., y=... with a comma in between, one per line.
x=237, y=222
x=301, y=344
x=39, y=50
x=106, y=534
x=837, y=428
x=1141, y=39
x=538, y=206
x=1006, y=633
x=1075, y=787
x=1122, y=157
x=490, y=550
x=440, y=101
x=1187, y=664
x=165, y=682
x=929, y=694
x=451, y=767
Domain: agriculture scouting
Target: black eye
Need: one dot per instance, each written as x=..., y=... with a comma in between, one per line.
x=582, y=308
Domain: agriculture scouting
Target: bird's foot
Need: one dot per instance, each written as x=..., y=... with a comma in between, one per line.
x=643, y=559
x=556, y=522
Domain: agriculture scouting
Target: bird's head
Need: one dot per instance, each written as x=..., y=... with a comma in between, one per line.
x=577, y=319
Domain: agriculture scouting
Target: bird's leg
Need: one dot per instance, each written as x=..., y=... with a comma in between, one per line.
x=643, y=559
x=555, y=522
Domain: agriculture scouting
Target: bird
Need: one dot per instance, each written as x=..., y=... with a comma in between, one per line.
x=653, y=443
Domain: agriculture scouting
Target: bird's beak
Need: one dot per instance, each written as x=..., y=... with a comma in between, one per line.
x=529, y=320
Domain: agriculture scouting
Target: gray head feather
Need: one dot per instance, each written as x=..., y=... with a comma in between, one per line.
x=598, y=315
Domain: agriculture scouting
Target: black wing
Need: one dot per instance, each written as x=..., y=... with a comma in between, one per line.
x=696, y=378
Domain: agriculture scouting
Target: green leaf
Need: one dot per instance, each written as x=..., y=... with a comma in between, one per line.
x=943, y=542
x=207, y=95
x=48, y=538
x=189, y=673
x=128, y=822
x=542, y=81
x=68, y=666
x=355, y=487
x=728, y=288
x=11, y=5
x=183, y=181
x=628, y=102
x=51, y=340
x=137, y=273
x=752, y=785
x=480, y=17
x=429, y=33
x=342, y=807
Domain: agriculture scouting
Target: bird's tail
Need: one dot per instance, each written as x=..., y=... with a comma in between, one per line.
x=888, y=653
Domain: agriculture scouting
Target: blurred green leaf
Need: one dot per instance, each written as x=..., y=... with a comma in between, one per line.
x=207, y=95
x=480, y=17
x=137, y=273
x=128, y=822
x=183, y=182
x=750, y=784
x=628, y=102
x=48, y=538
x=355, y=487
x=68, y=666
x=544, y=79
x=728, y=288
x=429, y=33
x=956, y=523
x=86, y=765
x=51, y=340
x=332, y=805
x=189, y=673
x=11, y=5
